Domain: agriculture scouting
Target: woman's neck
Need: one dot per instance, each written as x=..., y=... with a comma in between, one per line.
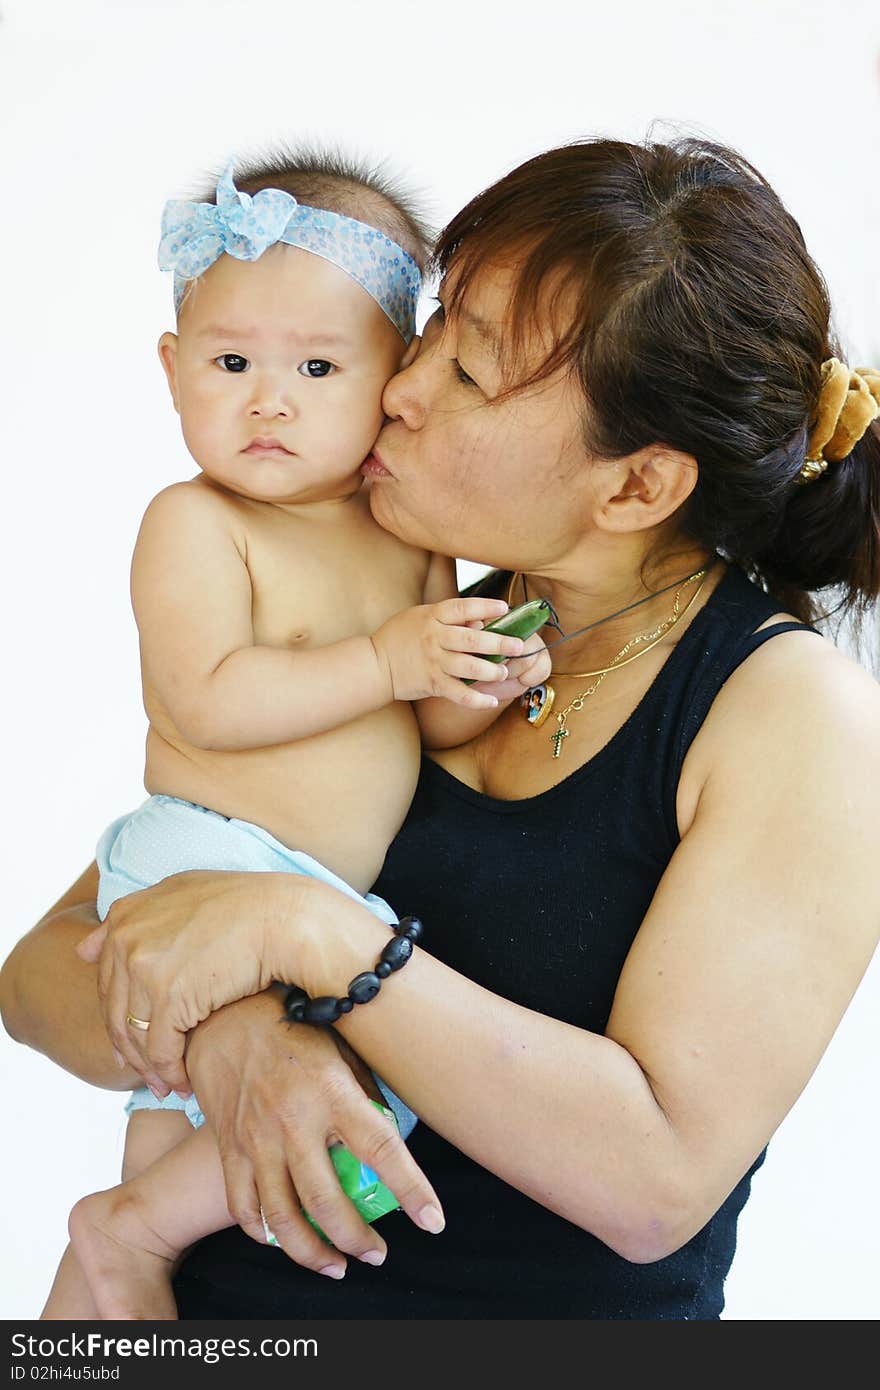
x=595, y=592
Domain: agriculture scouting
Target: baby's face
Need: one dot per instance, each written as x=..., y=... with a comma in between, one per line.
x=277, y=371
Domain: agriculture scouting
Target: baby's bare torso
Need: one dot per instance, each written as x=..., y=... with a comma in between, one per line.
x=341, y=795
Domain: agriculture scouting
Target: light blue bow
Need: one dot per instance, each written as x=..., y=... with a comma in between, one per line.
x=196, y=234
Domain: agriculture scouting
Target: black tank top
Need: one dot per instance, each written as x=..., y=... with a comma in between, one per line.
x=539, y=901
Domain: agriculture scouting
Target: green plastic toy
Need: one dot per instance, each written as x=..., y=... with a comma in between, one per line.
x=365, y=1188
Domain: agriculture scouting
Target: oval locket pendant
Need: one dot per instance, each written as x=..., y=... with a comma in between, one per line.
x=537, y=703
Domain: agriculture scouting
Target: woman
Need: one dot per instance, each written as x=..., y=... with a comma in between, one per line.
x=646, y=912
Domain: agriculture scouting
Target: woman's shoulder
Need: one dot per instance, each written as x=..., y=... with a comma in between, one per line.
x=802, y=667
x=799, y=696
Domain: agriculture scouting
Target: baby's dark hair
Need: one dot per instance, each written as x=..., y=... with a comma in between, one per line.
x=338, y=182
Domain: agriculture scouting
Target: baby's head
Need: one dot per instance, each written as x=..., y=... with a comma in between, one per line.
x=280, y=344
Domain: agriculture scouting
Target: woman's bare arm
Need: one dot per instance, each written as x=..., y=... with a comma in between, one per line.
x=756, y=940
x=48, y=995
x=269, y=1120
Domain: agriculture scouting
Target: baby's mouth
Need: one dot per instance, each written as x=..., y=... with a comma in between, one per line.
x=266, y=445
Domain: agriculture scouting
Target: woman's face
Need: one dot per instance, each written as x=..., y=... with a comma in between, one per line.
x=503, y=483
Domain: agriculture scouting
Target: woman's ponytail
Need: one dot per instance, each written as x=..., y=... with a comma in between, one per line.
x=829, y=537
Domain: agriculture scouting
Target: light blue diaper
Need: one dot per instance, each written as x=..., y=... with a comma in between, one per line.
x=168, y=836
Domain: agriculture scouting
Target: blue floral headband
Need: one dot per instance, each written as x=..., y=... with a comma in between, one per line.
x=195, y=235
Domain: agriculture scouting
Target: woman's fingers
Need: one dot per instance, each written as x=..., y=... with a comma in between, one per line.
x=276, y=1098
x=120, y=1002
x=242, y=1197
x=113, y=992
x=89, y=949
x=377, y=1143
x=322, y=1196
x=281, y=1208
x=164, y=1048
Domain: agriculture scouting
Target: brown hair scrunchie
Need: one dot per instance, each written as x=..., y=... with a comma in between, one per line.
x=849, y=400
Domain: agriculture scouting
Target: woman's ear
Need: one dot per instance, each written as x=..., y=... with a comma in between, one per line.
x=646, y=489
x=168, y=357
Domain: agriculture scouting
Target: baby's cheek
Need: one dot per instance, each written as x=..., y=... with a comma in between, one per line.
x=206, y=440
x=360, y=422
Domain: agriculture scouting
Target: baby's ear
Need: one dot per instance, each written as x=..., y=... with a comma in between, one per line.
x=411, y=353
x=168, y=357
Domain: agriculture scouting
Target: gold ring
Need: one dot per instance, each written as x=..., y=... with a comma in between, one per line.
x=140, y=1023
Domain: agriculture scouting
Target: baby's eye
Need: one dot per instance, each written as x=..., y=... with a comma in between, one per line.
x=232, y=362
x=315, y=367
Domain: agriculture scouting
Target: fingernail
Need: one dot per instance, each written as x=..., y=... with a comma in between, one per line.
x=334, y=1271
x=120, y=1060
x=159, y=1094
x=431, y=1218
x=373, y=1257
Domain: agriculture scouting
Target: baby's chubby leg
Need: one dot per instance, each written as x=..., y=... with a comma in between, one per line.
x=149, y=1135
x=129, y=1238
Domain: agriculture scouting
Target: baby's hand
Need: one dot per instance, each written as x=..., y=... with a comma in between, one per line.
x=430, y=650
x=533, y=668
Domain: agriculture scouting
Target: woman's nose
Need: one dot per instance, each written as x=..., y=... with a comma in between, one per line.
x=405, y=395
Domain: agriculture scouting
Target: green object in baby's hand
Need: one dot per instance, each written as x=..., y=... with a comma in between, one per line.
x=365, y=1188
x=518, y=622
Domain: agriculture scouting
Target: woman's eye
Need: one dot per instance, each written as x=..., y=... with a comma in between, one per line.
x=462, y=374
x=232, y=362
x=315, y=367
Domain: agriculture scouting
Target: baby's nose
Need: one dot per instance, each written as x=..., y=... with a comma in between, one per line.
x=270, y=399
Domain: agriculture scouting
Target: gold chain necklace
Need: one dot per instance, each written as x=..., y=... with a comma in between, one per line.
x=537, y=703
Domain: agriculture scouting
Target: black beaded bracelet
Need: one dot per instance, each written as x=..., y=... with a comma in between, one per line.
x=299, y=1008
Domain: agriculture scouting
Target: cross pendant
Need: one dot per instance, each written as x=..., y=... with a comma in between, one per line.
x=556, y=739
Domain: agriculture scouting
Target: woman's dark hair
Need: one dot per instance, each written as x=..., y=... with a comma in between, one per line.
x=699, y=321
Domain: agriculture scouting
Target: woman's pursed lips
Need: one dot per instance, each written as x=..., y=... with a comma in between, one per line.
x=374, y=467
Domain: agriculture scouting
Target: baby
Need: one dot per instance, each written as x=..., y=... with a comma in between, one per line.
x=283, y=633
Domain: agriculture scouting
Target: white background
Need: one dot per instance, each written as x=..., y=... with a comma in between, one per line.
x=107, y=109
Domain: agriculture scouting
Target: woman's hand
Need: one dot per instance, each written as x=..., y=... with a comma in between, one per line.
x=276, y=1095
x=173, y=953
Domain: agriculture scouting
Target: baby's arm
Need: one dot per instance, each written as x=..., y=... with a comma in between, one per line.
x=191, y=593
x=446, y=725
x=192, y=599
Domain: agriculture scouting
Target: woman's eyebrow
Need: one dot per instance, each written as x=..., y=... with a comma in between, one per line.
x=485, y=330
x=488, y=332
